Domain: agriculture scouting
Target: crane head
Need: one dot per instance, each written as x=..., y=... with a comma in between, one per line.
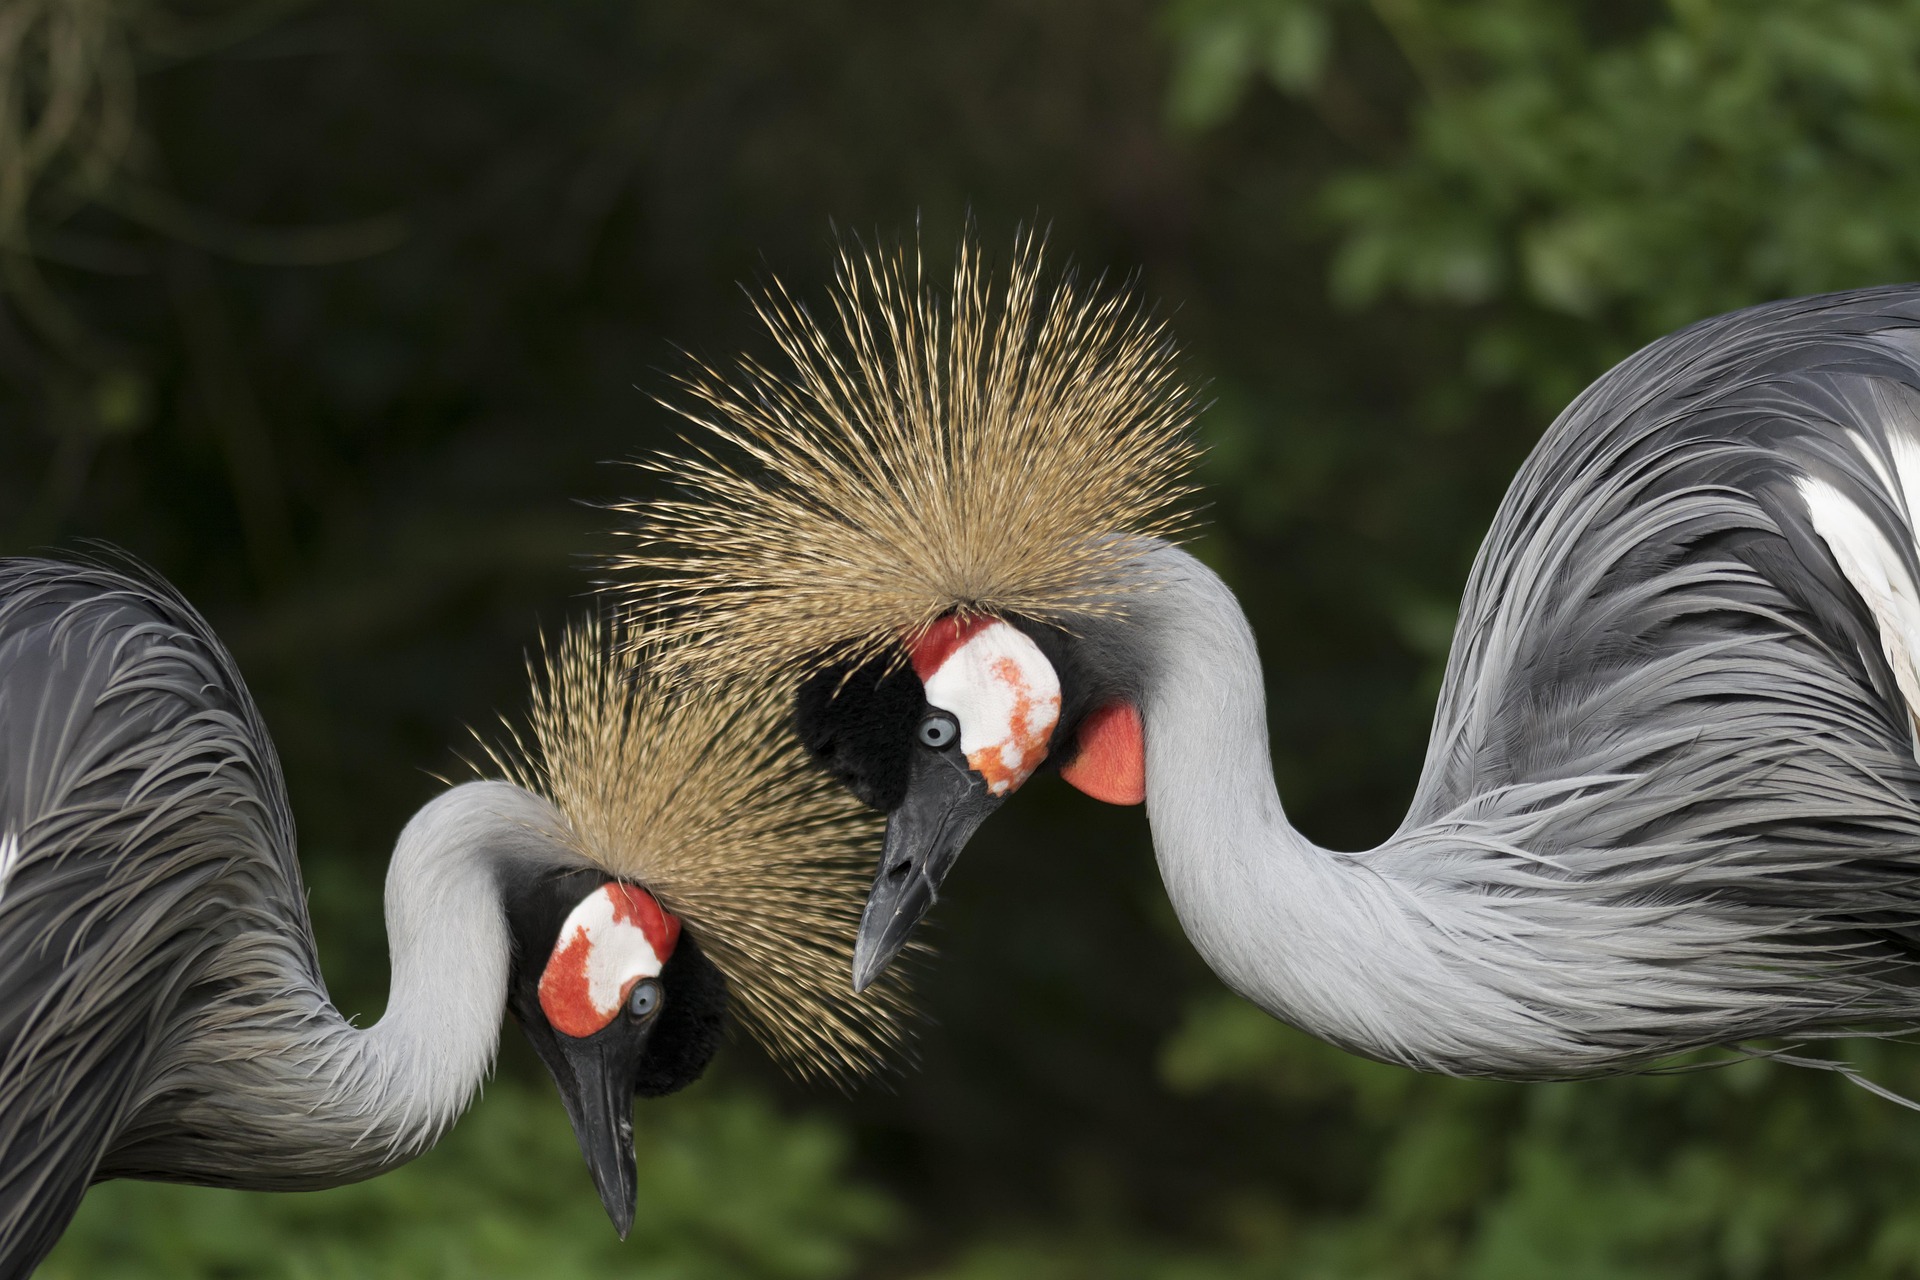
x=1002, y=445
x=617, y=1003
x=701, y=795
x=940, y=741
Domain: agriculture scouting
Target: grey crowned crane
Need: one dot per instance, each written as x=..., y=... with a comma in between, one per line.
x=656, y=862
x=1671, y=797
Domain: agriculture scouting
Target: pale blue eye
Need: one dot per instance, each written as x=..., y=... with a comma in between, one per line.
x=644, y=1000
x=938, y=730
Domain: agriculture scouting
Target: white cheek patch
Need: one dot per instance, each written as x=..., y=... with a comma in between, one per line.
x=614, y=938
x=995, y=681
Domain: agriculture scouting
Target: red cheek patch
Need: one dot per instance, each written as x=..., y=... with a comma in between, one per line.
x=616, y=936
x=564, y=988
x=1111, y=763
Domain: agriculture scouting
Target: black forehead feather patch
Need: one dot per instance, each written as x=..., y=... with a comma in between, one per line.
x=857, y=722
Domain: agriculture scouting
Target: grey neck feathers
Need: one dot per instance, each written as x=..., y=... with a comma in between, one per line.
x=283, y=1093
x=1397, y=958
x=1279, y=920
x=450, y=949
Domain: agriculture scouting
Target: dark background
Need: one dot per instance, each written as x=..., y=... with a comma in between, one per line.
x=342, y=315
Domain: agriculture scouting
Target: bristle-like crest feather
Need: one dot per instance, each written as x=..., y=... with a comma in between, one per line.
x=979, y=451
x=701, y=796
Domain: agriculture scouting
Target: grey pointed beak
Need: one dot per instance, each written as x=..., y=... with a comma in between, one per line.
x=596, y=1077
x=946, y=803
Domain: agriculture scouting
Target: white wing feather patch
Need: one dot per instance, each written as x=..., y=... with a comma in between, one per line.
x=1876, y=571
x=9, y=857
x=1906, y=461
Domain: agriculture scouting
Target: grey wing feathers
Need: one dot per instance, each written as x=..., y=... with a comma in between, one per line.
x=1668, y=688
x=1660, y=517
x=143, y=825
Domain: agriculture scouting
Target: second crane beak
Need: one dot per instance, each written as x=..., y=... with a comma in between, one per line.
x=946, y=803
x=596, y=1075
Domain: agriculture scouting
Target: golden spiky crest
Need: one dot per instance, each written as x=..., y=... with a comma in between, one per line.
x=700, y=795
x=975, y=451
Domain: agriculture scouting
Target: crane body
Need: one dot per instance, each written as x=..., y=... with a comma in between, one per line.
x=162, y=1009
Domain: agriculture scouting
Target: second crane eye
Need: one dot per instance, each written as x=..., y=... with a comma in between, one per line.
x=645, y=1000
x=938, y=731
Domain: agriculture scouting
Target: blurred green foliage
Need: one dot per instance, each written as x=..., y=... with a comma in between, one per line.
x=367, y=301
x=1722, y=1166
x=1569, y=170
x=727, y=1190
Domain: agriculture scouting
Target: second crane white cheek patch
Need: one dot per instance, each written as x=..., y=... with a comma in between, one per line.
x=615, y=937
x=994, y=680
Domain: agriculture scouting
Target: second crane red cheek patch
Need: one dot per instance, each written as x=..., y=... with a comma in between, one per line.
x=994, y=680
x=615, y=937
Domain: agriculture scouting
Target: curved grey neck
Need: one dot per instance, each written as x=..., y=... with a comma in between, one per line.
x=1341, y=945
x=284, y=1093
x=1252, y=893
x=451, y=952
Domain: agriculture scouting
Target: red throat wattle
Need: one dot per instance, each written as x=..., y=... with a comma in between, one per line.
x=1111, y=763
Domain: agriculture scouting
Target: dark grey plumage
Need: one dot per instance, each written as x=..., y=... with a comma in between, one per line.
x=1666, y=696
x=1671, y=798
x=139, y=799
x=164, y=1015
